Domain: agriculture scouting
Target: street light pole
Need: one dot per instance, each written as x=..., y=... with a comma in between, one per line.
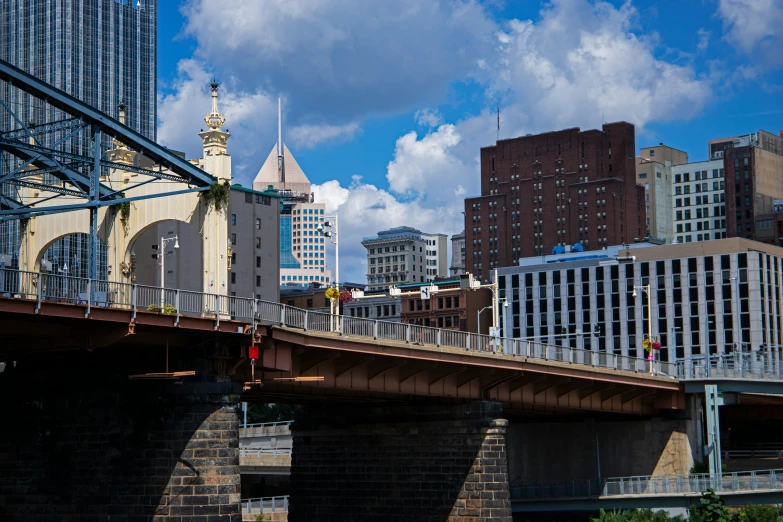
x=646, y=289
x=329, y=229
x=162, y=258
x=478, y=319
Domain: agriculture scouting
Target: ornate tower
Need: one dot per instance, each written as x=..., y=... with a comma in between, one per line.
x=216, y=160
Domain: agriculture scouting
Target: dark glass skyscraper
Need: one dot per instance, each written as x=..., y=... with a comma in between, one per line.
x=100, y=51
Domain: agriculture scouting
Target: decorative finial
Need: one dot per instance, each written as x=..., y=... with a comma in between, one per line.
x=122, y=108
x=214, y=119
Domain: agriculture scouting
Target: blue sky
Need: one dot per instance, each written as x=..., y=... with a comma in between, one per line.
x=386, y=108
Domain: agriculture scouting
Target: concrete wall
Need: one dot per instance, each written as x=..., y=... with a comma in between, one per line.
x=184, y=266
x=444, y=464
x=546, y=451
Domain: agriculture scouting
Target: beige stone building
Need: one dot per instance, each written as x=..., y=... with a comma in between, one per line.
x=654, y=174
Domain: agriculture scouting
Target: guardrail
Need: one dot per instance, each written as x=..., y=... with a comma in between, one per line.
x=264, y=505
x=266, y=424
x=266, y=452
x=752, y=454
x=46, y=287
x=737, y=482
x=756, y=365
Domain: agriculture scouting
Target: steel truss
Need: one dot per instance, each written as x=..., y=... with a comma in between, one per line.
x=28, y=160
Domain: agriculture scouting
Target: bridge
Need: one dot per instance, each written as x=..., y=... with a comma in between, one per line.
x=390, y=374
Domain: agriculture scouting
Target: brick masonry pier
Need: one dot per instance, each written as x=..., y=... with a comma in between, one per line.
x=390, y=464
x=83, y=443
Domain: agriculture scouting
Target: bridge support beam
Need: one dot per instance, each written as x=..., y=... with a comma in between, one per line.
x=399, y=464
x=93, y=445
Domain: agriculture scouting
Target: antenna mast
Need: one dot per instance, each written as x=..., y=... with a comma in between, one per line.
x=280, y=162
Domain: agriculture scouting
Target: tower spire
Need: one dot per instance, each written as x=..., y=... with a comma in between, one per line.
x=280, y=158
x=214, y=119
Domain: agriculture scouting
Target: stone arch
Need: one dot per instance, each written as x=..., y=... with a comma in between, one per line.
x=69, y=255
x=184, y=267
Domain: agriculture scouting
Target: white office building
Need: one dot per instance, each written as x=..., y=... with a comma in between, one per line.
x=699, y=201
x=302, y=248
x=437, y=255
x=696, y=290
x=394, y=257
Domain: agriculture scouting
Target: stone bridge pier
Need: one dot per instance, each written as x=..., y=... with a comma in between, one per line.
x=80, y=441
x=400, y=463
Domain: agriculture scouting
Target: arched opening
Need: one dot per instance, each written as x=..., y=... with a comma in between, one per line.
x=70, y=256
x=183, y=267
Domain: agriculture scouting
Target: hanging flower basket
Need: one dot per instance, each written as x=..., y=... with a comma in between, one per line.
x=647, y=345
x=656, y=345
x=345, y=296
x=332, y=293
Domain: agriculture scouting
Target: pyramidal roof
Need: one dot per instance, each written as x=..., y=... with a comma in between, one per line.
x=295, y=178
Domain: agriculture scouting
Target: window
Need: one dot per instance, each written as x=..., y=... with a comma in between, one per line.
x=258, y=261
x=233, y=278
x=233, y=239
x=258, y=280
x=258, y=223
x=258, y=242
x=233, y=219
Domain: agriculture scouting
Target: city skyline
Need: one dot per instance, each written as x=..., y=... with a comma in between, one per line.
x=683, y=74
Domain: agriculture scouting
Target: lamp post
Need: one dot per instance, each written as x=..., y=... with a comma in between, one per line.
x=478, y=318
x=646, y=289
x=329, y=230
x=162, y=259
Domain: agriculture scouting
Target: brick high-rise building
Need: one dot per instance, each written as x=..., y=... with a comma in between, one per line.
x=553, y=189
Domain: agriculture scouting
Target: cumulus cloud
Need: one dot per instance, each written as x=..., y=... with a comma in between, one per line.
x=364, y=209
x=754, y=27
x=348, y=59
x=581, y=64
x=181, y=113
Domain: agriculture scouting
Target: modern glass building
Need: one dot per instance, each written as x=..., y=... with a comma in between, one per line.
x=100, y=51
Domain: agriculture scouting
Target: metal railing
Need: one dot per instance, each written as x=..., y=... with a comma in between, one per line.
x=266, y=424
x=47, y=287
x=752, y=454
x=756, y=365
x=692, y=484
x=264, y=505
x=266, y=452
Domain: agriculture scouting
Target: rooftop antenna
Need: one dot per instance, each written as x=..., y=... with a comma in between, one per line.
x=280, y=162
x=498, y=121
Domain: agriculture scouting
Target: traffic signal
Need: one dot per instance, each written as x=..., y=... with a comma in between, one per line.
x=598, y=329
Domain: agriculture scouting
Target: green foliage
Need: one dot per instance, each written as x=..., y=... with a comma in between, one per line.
x=636, y=515
x=217, y=195
x=702, y=466
x=710, y=509
x=260, y=516
x=125, y=209
x=257, y=413
x=167, y=309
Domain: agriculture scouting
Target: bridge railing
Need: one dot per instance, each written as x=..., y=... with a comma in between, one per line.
x=252, y=506
x=58, y=287
x=266, y=452
x=267, y=424
x=756, y=365
x=737, y=482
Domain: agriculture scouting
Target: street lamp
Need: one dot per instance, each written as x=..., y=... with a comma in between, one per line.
x=161, y=255
x=478, y=318
x=328, y=229
x=646, y=289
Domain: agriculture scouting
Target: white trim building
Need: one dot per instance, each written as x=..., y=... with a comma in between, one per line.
x=696, y=288
x=699, y=201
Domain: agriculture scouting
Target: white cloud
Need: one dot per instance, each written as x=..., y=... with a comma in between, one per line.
x=754, y=27
x=364, y=209
x=428, y=118
x=308, y=136
x=181, y=114
x=348, y=59
x=582, y=64
x=704, y=39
